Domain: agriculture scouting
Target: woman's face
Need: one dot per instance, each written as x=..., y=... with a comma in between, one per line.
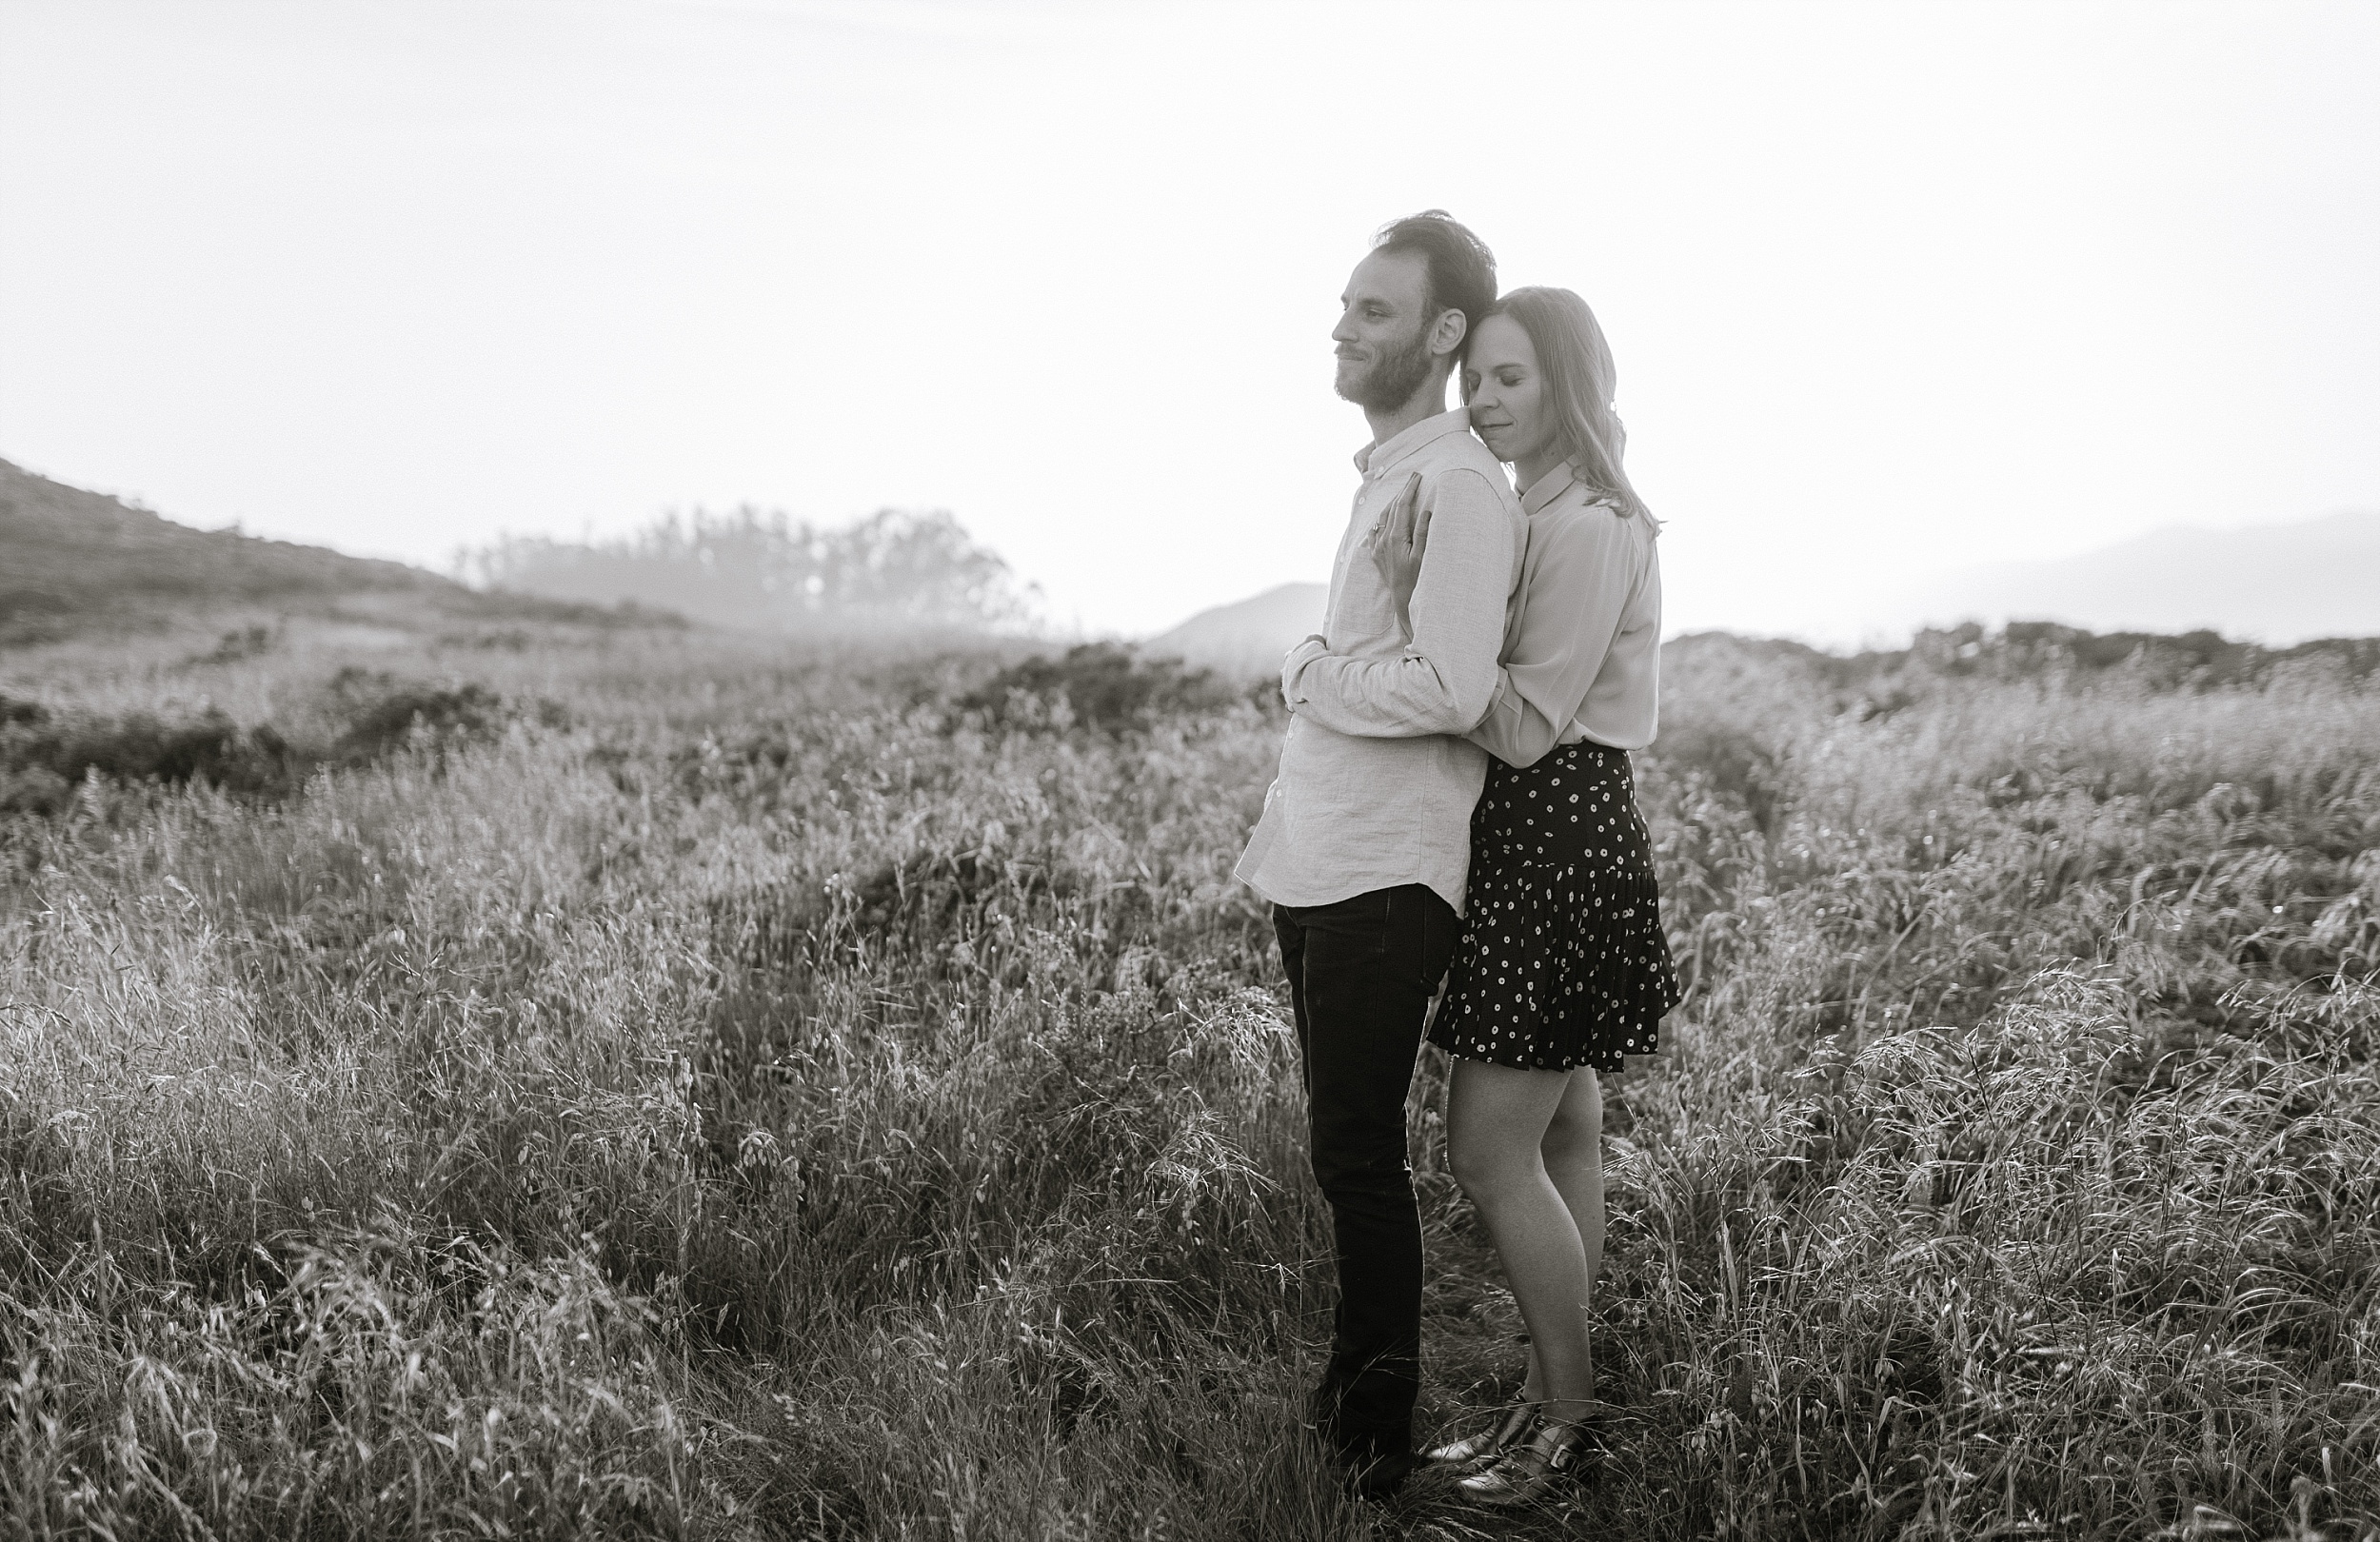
x=1505, y=391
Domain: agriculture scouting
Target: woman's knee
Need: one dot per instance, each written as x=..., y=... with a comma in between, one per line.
x=1489, y=1163
x=1570, y=1142
x=1574, y=1133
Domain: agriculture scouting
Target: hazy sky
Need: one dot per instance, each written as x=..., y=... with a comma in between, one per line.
x=1892, y=287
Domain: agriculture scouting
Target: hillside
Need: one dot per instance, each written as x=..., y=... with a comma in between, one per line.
x=80, y=561
x=1247, y=637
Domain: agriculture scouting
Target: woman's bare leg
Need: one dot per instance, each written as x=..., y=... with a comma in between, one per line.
x=1497, y=1122
x=1574, y=1160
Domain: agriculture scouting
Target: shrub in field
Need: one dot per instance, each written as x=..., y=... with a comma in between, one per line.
x=45, y=755
x=383, y=714
x=1099, y=685
x=42, y=759
x=247, y=642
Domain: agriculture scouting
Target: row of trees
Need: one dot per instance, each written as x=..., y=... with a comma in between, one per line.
x=762, y=569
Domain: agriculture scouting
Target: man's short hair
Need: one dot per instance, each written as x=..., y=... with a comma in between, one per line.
x=1461, y=270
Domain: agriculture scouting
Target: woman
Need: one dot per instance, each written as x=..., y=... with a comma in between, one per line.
x=1562, y=968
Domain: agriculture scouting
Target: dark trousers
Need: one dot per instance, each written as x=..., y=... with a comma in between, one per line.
x=1361, y=971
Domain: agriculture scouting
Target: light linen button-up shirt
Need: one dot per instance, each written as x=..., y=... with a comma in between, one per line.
x=1374, y=789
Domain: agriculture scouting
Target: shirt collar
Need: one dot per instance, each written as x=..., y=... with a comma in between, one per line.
x=1546, y=488
x=1380, y=457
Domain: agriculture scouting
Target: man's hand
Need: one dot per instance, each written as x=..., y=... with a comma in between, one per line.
x=1397, y=544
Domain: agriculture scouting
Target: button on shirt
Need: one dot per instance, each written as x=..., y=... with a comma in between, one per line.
x=1582, y=648
x=1375, y=788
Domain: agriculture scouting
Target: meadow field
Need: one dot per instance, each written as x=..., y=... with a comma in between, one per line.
x=556, y=1081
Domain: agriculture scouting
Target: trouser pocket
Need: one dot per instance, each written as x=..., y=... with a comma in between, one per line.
x=1419, y=932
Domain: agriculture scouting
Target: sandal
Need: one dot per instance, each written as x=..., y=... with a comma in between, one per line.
x=1532, y=1464
x=1510, y=1426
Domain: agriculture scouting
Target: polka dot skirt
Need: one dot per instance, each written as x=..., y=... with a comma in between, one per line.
x=1562, y=961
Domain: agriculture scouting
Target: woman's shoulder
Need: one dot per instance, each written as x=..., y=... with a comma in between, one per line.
x=1582, y=541
x=1583, y=515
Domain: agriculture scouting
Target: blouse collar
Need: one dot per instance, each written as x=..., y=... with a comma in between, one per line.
x=1546, y=488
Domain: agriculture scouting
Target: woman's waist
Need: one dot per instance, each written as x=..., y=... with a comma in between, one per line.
x=1585, y=755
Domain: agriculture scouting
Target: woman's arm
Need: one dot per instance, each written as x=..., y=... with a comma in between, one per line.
x=1582, y=571
x=1442, y=681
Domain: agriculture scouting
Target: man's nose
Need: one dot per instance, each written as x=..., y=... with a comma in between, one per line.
x=1344, y=332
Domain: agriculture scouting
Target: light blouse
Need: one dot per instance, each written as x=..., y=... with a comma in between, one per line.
x=1582, y=633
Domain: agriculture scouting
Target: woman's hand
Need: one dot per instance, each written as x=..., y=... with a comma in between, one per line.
x=1292, y=664
x=1397, y=544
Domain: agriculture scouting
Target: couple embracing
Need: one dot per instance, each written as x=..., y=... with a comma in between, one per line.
x=1455, y=805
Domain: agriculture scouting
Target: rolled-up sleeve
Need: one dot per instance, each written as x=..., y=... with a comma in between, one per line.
x=1582, y=573
x=1443, y=680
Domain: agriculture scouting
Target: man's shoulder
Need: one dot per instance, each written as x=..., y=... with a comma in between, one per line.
x=1462, y=451
x=1457, y=453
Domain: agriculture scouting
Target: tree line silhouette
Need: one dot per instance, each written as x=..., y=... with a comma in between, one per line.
x=763, y=569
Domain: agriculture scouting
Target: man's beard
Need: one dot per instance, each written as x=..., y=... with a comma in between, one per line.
x=1393, y=378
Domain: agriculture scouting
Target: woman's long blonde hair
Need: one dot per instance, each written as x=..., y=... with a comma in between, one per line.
x=1581, y=382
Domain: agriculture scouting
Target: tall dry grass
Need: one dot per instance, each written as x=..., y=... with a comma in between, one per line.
x=781, y=1094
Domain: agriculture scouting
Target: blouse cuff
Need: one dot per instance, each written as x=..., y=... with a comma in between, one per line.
x=1295, y=664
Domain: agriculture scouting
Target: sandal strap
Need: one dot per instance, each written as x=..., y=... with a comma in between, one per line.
x=1515, y=1426
x=1525, y=1470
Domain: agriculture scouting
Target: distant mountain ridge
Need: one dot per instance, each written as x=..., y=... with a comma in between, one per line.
x=2277, y=584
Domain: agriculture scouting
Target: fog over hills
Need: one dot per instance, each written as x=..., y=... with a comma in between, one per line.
x=75, y=559
x=2273, y=583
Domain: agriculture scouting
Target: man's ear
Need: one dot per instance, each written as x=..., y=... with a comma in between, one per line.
x=1447, y=332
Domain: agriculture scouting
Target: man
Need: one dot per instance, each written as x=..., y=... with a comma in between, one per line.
x=1364, y=840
